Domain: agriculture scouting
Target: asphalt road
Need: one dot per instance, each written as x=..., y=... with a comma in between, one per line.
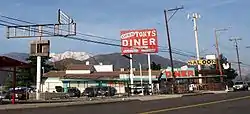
x=230, y=103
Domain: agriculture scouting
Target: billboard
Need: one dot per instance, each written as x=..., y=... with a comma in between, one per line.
x=139, y=41
x=202, y=62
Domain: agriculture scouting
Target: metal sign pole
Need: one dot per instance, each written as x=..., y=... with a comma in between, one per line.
x=38, y=77
x=131, y=74
x=149, y=73
x=141, y=78
x=38, y=67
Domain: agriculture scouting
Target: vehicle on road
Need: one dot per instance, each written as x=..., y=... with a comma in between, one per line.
x=240, y=86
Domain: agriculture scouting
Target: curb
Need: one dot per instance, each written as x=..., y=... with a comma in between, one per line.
x=196, y=94
x=52, y=105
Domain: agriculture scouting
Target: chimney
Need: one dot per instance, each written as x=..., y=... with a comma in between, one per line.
x=87, y=62
x=122, y=69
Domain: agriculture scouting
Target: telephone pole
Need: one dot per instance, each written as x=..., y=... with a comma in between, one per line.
x=217, y=50
x=235, y=40
x=169, y=44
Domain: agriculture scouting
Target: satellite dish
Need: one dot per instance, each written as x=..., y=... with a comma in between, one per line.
x=226, y=66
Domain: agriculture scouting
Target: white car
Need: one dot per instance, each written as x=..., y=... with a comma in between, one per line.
x=240, y=86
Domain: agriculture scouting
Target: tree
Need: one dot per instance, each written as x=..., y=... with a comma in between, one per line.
x=230, y=73
x=27, y=76
x=155, y=66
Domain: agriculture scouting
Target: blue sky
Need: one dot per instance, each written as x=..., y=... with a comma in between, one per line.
x=107, y=17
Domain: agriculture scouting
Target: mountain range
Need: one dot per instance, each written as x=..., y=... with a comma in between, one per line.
x=69, y=55
x=62, y=60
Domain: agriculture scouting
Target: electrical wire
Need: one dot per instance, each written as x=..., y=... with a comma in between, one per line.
x=86, y=40
x=76, y=38
x=88, y=35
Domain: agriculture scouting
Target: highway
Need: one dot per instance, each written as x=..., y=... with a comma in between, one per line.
x=229, y=103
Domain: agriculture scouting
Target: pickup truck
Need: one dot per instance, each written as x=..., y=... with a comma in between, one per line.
x=240, y=86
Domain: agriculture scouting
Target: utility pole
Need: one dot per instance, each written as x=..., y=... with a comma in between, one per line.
x=169, y=45
x=235, y=40
x=217, y=50
x=196, y=16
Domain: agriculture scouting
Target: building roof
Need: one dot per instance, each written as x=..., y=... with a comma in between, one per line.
x=95, y=75
x=54, y=74
x=145, y=72
x=10, y=62
x=79, y=67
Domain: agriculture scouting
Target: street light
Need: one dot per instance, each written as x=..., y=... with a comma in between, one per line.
x=217, y=49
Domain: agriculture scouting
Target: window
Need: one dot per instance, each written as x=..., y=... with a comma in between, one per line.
x=238, y=83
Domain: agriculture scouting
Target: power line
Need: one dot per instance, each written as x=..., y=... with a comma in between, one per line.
x=98, y=42
x=83, y=34
x=75, y=38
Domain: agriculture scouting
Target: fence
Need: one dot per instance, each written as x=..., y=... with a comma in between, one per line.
x=50, y=86
x=185, y=88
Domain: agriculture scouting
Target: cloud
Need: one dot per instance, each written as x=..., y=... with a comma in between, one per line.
x=18, y=4
x=222, y=3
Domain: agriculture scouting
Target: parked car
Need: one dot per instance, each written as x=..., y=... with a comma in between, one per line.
x=20, y=94
x=73, y=92
x=240, y=86
x=108, y=90
x=91, y=91
x=2, y=96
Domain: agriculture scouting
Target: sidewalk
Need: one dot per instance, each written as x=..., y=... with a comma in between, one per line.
x=153, y=97
x=84, y=101
x=61, y=104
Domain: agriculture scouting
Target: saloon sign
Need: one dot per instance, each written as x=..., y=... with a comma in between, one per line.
x=139, y=41
x=202, y=62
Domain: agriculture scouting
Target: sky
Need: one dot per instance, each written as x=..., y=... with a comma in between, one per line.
x=108, y=17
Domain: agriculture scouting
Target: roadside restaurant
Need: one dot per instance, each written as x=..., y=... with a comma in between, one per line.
x=186, y=76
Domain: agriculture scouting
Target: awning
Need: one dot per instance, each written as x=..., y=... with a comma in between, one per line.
x=7, y=62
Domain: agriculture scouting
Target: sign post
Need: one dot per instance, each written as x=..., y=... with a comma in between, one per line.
x=139, y=42
x=40, y=48
x=149, y=73
x=131, y=74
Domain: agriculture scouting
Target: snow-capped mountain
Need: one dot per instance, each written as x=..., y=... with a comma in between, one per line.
x=68, y=54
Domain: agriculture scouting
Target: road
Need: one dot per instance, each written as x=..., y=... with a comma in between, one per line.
x=230, y=103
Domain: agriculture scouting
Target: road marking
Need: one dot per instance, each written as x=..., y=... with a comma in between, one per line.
x=195, y=105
